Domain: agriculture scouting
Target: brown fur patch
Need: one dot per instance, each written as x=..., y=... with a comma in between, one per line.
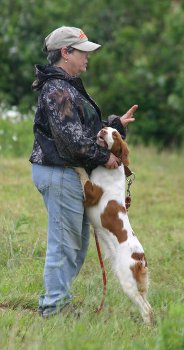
x=93, y=193
x=139, y=271
x=112, y=222
x=139, y=256
x=120, y=148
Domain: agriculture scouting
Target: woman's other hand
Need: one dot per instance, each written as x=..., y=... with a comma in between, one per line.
x=128, y=116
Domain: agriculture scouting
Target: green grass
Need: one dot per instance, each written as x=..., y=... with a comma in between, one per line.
x=156, y=216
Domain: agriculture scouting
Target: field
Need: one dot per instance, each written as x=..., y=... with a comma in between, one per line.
x=156, y=216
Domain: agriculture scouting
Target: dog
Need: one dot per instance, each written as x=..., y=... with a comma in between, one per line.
x=104, y=196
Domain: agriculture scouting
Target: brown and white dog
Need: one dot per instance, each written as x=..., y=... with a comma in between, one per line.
x=106, y=209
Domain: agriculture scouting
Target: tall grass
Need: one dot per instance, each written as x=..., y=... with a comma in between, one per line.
x=156, y=216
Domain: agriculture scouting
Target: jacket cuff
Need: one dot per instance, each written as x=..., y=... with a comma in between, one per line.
x=115, y=122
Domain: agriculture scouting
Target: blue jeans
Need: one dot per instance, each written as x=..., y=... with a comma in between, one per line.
x=68, y=232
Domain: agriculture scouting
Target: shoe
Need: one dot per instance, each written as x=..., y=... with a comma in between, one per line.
x=49, y=311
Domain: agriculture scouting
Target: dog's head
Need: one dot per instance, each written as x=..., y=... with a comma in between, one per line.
x=110, y=138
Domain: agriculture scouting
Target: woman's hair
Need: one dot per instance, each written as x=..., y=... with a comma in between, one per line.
x=54, y=56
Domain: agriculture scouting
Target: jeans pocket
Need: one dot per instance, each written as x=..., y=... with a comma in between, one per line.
x=42, y=176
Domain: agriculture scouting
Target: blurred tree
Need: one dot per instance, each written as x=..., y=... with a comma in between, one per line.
x=142, y=59
x=24, y=27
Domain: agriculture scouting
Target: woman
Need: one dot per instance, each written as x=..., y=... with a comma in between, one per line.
x=66, y=123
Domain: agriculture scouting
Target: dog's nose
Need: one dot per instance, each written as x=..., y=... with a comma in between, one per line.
x=103, y=132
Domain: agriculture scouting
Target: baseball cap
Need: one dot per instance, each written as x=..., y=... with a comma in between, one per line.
x=69, y=36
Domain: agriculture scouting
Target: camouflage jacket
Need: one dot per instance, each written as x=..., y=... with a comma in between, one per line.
x=67, y=121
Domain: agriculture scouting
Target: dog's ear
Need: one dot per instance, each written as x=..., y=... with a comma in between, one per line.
x=124, y=153
x=120, y=148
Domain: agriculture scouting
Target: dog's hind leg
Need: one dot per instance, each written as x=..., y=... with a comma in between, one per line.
x=148, y=304
x=143, y=305
x=131, y=290
x=140, y=275
x=136, y=292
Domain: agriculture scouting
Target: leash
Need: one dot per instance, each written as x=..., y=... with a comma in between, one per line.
x=130, y=181
x=103, y=272
x=128, y=173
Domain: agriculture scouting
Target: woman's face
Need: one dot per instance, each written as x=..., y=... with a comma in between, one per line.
x=77, y=62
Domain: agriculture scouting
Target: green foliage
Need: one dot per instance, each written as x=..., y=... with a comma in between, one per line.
x=141, y=61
